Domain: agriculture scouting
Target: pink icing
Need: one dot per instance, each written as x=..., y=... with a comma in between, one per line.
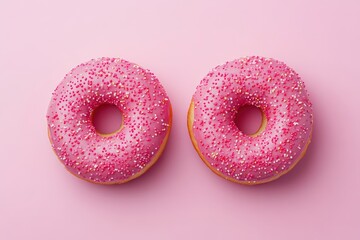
x=146, y=120
x=281, y=95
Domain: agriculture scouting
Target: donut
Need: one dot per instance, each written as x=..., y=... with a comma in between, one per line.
x=130, y=151
x=285, y=131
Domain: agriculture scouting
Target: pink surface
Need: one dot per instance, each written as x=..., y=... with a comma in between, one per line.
x=107, y=119
x=248, y=119
x=180, y=41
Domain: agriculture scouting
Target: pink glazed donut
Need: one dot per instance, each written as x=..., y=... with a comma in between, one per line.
x=125, y=154
x=286, y=129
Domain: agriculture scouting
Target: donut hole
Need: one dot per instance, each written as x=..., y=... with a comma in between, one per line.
x=250, y=120
x=107, y=119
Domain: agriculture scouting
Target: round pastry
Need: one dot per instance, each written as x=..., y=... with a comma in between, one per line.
x=125, y=154
x=283, y=136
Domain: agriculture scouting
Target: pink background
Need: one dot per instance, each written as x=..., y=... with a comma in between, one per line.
x=180, y=41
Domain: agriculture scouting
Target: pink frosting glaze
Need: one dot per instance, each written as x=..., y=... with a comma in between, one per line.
x=281, y=95
x=146, y=120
